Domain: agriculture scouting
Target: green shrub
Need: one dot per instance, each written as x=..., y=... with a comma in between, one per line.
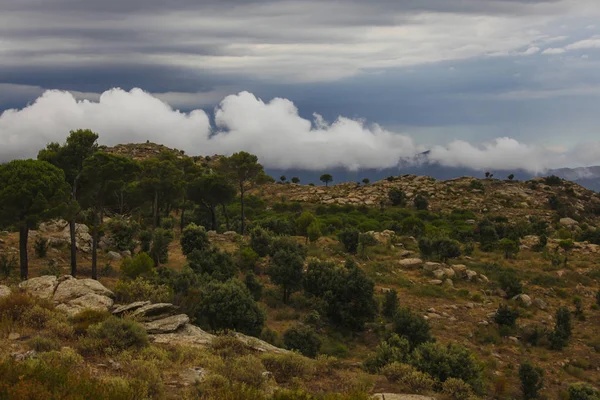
x=302, y=338
x=42, y=344
x=412, y=326
x=194, y=237
x=17, y=304
x=228, y=346
x=7, y=265
x=457, y=389
x=395, y=349
x=229, y=305
x=139, y=266
x=214, y=262
x=122, y=233
x=396, y=371
x=349, y=239
x=397, y=196
x=159, y=250
x=531, y=380
x=390, y=303
x=284, y=367
x=119, y=334
x=145, y=241
x=506, y=316
x=86, y=318
x=247, y=259
x=246, y=369
x=451, y=361
x=582, y=391
x=253, y=285
x=37, y=317
x=41, y=247
x=510, y=283
x=559, y=338
x=476, y=185
x=141, y=289
x=420, y=202
x=260, y=241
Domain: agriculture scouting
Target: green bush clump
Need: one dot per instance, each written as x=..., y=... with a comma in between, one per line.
x=119, y=334
x=451, y=361
x=122, y=233
x=531, y=380
x=506, y=316
x=395, y=349
x=284, y=367
x=510, y=282
x=457, y=389
x=41, y=247
x=349, y=239
x=260, y=241
x=139, y=266
x=43, y=344
x=390, y=303
x=211, y=261
x=397, y=196
x=254, y=286
x=412, y=326
x=86, y=318
x=159, y=250
x=302, y=338
x=582, y=391
x=559, y=338
x=194, y=237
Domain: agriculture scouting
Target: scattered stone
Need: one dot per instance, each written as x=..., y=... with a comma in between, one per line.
x=394, y=396
x=449, y=283
x=14, y=336
x=568, y=222
x=459, y=268
x=188, y=335
x=435, y=282
x=439, y=274
x=448, y=272
x=115, y=364
x=126, y=254
x=539, y=303
x=154, y=311
x=470, y=274
x=168, y=324
x=129, y=307
x=24, y=356
x=114, y=256
x=431, y=266
x=483, y=278
x=523, y=299
x=411, y=262
x=191, y=376
x=513, y=339
x=4, y=291
x=42, y=287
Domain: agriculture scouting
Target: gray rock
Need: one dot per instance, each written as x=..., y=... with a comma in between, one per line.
x=72, y=288
x=523, y=299
x=42, y=287
x=435, y=282
x=154, y=311
x=431, y=266
x=114, y=256
x=568, y=222
x=4, y=291
x=126, y=254
x=129, y=307
x=187, y=335
x=411, y=262
x=449, y=272
x=91, y=301
x=167, y=325
x=459, y=268
x=14, y=336
x=439, y=274
x=470, y=274
x=539, y=303
x=449, y=283
x=24, y=356
x=395, y=396
x=258, y=345
x=191, y=376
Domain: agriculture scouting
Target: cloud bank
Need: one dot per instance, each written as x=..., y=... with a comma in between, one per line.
x=273, y=130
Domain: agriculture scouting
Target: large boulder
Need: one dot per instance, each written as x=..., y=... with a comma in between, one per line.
x=83, y=239
x=187, y=335
x=4, y=291
x=258, y=345
x=568, y=222
x=168, y=324
x=411, y=262
x=42, y=287
x=523, y=300
x=71, y=289
x=153, y=312
x=74, y=295
x=114, y=256
x=127, y=308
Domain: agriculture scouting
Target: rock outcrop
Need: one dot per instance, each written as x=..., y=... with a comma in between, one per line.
x=4, y=291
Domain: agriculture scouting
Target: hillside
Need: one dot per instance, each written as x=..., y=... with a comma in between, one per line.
x=370, y=282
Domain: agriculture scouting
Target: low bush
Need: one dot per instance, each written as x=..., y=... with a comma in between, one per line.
x=41, y=247
x=582, y=391
x=119, y=334
x=506, y=316
x=86, y=318
x=141, y=289
x=42, y=344
x=531, y=380
x=457, y=389
x=302, y=338
x=194, y=237
x=412, y=326
x=287, y=366
x=394, y=350
x=139, y=266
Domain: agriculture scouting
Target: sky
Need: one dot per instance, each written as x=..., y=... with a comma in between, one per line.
x=309, y=84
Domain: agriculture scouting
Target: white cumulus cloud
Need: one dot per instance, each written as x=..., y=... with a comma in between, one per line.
x=273, y=130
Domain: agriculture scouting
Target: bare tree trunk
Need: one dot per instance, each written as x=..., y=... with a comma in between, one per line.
x=226, y=216
x=24, y=260
x=155, y=210
x=243, y=214
x=213, y=218
x=95, y=247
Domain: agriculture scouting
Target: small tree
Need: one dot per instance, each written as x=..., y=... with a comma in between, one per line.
x=302, y=338
x=578, y=302
x=282, y=178
x=30, y=191
x=295, y=180
x=390, y=303
x=510, y=283
x=140, y=265
x=286, y=266
x=253, y=285
x=559, y=338
x=511, y=177
x=303, y=222
x=397, y=197
x=366, y=181
x=159, y=251
x=506, y=316
x=509, y=247
x=260, y=241
x=193, y=237
x=314, y=231
x=349, y=239
x=531, y=380
x=420, y=202
x=412, y=326
x=365, y=240
x=326, y=179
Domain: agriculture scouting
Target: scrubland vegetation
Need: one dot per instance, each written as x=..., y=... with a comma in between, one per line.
x=392, y=297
